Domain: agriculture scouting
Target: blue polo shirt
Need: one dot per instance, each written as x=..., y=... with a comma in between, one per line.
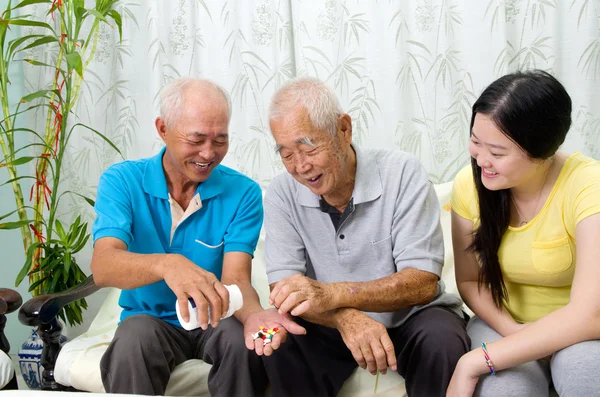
x=133, y=205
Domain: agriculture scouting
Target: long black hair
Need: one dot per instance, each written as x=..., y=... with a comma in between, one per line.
x=533, y=109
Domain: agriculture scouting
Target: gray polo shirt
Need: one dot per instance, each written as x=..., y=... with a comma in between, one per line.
x=394, y=224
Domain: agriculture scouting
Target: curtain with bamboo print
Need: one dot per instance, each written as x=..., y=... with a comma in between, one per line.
x=407, y=71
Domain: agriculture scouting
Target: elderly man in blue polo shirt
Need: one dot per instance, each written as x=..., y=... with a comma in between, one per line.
x=354, y=249
x=176, y=226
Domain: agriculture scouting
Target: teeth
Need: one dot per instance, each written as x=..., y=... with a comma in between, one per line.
x=489, y=172
x=202, y=165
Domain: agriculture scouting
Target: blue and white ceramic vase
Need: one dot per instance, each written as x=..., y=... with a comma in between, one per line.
x=30, y=355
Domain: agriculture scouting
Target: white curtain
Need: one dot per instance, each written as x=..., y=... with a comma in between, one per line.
x=407, y=71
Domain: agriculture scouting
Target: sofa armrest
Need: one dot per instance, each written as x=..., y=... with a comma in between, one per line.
x=41, y=312
x=10, y=300
x=44, y=308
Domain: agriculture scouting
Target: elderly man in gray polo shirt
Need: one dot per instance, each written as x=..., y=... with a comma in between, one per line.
x=354, y=252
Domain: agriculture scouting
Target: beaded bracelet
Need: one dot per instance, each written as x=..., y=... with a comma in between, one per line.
x=488, y=361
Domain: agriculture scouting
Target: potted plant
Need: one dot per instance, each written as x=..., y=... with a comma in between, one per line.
x=70, y=35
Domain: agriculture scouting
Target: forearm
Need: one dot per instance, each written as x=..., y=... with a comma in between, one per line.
x=406, y=288
x=251, y=300
x=480, y=301
x=329, y=318
x=118, y=268
x=562, y=328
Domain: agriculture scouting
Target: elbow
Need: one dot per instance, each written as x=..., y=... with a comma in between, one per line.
x=99, y=275
x=429, y=292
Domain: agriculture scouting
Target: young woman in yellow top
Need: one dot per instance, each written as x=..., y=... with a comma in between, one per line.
x=526, y=236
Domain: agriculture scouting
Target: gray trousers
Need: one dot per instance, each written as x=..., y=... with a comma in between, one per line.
x=145, y=350
x=573, y=370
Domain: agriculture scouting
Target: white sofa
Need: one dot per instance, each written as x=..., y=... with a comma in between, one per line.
x=78, y=362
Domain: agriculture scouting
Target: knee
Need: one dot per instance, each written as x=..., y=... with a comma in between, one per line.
x=136, y=332
x=447, y=337
x=574, y=370
x=230, y=334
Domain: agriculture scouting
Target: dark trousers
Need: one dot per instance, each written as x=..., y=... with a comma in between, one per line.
x=145, y=350
x=428, y=346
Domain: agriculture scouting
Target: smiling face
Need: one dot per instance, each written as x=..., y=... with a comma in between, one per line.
x=314, y=157
x=198, y=141
x=504, y=165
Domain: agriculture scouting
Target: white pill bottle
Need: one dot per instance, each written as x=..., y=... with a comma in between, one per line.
x=236, y=301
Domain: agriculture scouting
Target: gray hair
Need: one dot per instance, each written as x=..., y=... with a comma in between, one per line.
x=172, y=96
x=312, y=94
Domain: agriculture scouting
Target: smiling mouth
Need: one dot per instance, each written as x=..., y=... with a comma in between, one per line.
x=488, y=172
x=202, y=165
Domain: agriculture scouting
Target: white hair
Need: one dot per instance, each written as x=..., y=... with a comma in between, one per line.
x=172, y=96
x=318, y=99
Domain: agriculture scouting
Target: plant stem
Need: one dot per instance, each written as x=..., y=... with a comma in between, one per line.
x=8, y=151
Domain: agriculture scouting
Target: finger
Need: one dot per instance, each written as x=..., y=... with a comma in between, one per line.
x=268, y=349
x=224, y=295
x=380, y=356
x=291, y=326
x=301, y=308
x=278, y=339
x=259, y=346
x=249, y=340
x=215, y=302
x=369, y=358
x=292, y=300
x=390, y=352
x=182, y=302
x=282, y=294
x=275, y=292
x=201, y=308
x=358, y=357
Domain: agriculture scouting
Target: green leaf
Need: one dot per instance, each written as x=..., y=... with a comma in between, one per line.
x=38, y=94
x=100, y=135
x=37, y=283
x=7, y=215
x=25, y=269
x=97, y=15
x=30, y=2
x=21, y=22
x=74, y=62
x=14, y=225
x=60, y=230
x=87, y=199
x=19, y=161
x=67, y=264
x=117, y=18
x=17, y=42
x=39, y=42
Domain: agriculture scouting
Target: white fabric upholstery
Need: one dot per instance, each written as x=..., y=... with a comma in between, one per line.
x=6, y=369
x=78, y=362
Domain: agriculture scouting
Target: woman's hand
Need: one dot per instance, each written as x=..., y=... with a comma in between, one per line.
x=466, y=375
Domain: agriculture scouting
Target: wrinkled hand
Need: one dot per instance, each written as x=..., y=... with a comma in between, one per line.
x=368, y=341
x=464, y=380
x=299, y=294
x=187, y=280
x=269, y=318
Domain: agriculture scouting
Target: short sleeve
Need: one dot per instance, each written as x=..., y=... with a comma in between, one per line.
x=244, y=230
x=464, y=195
x=284, y=249
x=113, y=208
x=584, y=192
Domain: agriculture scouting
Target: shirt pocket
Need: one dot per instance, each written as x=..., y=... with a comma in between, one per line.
x=551, y=256
x=382, y=251
x=209, y=256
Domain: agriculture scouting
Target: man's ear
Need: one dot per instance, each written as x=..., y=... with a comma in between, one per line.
x=161, y=128
x=345, y=127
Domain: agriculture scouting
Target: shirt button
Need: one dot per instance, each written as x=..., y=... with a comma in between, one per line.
x=342, y=236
